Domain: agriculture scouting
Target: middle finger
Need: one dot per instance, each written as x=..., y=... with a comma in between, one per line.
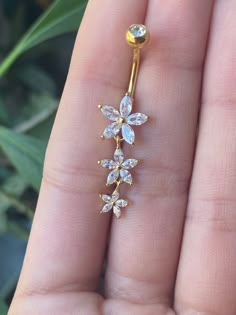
x=144, y=246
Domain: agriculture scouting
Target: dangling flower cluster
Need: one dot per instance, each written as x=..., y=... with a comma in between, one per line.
x=119, y=167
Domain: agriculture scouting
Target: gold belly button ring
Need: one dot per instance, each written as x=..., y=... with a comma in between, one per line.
x=120, y=129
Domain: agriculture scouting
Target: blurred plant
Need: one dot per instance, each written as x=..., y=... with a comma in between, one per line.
x=29, y=90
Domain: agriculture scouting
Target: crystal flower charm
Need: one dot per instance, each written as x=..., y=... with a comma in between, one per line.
x=113, y=202
x=121, y=129
x=122, y=120
x=119, y=168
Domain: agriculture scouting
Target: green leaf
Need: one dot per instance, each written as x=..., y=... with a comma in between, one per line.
x=3, y=307
x=26, y=154
x=39, y=108
x=3, y=111
x=3, y=223
x=18, y=231
x=42, y=130
x=17, y=204
x=9, y=285
x=35, y=78
x=61, y=17
x=13, y=186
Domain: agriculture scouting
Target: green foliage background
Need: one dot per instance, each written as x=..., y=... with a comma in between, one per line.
x=36, y=40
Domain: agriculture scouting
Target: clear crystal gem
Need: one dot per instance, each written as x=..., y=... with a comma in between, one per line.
x=130, y=163
x=121, y=203
x=138, y=30
x=137, y=119
x=126, y=176
x=125, y=106
x=117, y=211
x=119, y=156
x=106, y=198
x=107, y=207
x=128, y=133
x=112, y=177
x=110, y=112
x=115, y=196
x=108, y=164
x=112, y=130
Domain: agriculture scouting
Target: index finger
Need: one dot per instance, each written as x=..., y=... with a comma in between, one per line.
x=68, y=237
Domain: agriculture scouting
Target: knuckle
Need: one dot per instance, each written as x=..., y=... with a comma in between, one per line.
x=217, y=213
x=162, y=182
x=69, y=178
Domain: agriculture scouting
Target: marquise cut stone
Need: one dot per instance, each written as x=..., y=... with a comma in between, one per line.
x=137, y=119
x=130, y=163
x=117, y=211
x=112, y=177
x=115, y=196
x=126, y=106
x=121, y=203
x=106, y=198
x=126, y=176
x=112, y=130
x=108, y=164
x=107, y=207
x=110, y=112
x=128, y=133
x=119, y=155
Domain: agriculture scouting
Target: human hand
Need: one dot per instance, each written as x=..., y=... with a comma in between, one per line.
x=173, y=251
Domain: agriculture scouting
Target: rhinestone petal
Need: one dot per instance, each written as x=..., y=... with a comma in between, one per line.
x=130, y=163
x=110, y=112
x=107, y=207
x=112, y=130
x=128, y=133
x=121, y=203
x=117, y=211
x=106, y=198
x=108, y=164
x=137, y=119
x=119, y=155
x=126, y=176
x=112, y=177
x=126, y=106
x=115, y=195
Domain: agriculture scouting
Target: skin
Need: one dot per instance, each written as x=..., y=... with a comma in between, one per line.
x=173, y=251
